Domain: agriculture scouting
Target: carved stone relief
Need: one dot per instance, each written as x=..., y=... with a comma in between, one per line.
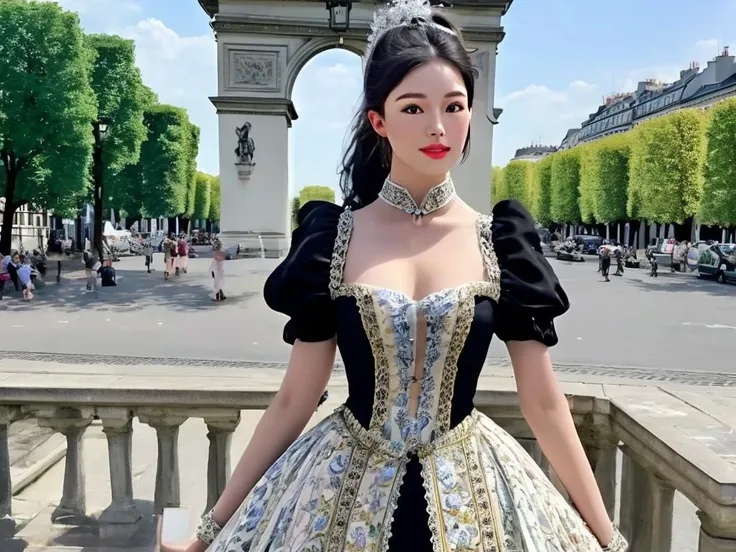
x=252, y=69
x=257, y=70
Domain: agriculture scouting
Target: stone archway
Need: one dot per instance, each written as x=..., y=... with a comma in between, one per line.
x=261, y=48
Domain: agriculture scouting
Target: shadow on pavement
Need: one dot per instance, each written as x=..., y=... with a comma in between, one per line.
x=135, y=291
x=682, y=283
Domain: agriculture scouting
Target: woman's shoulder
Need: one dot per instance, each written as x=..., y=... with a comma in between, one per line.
x=300, y=284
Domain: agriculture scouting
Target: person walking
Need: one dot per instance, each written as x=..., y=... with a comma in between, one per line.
x=605, y=263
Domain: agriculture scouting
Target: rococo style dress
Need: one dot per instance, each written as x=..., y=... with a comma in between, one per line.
x=371, y=476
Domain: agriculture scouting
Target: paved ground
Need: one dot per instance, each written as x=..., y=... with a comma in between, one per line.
x=675, y=322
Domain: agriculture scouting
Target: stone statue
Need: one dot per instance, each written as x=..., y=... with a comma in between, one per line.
x=246, y=145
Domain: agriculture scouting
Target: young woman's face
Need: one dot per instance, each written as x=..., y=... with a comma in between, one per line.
x=426, y=119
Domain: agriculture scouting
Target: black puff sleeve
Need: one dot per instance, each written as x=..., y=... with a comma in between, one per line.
x=531, y=295
x=299, y=287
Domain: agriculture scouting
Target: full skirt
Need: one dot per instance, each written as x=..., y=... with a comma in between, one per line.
x=336, y=489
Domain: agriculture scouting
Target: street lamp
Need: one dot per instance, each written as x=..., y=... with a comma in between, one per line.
x=100, y=129
x=339, y=14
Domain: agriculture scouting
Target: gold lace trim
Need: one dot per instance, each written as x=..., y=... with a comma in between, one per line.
x=371, y=439
x=490, y=261
x=489, y=519
x=339, y=527
x=340, y=250
x=463, y=321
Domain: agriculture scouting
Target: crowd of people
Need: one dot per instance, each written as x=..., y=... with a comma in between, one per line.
x=16, y=269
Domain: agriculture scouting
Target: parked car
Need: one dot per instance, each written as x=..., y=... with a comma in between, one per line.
x=588, y=244
x=719, y=262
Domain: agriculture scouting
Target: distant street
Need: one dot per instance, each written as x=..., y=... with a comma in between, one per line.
x=676, y=322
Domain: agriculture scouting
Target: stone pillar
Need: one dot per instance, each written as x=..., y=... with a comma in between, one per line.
x=716, y=537
x=7, y=523
x=473, y=177
x=646, y=508
x=72, y=423
x=120, y=519
x=603, y=457
x=220, y=432
x=166, y=424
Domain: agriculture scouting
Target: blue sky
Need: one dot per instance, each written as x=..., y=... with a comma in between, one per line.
x=558, y=60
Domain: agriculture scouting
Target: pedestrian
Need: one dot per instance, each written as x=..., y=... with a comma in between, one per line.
x=619, y=262
x=4, y=274
x=12, y=269
x=90, y=260
x=653, y=265
x=182, y=251
x=148, y=252
x=217, y=270
x=25, y=277
x=169, y=247
x=605, y=263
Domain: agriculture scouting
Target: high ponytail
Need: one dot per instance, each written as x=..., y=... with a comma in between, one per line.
x=400, y=50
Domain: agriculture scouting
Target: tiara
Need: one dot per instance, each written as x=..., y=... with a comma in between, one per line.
x=398, y=13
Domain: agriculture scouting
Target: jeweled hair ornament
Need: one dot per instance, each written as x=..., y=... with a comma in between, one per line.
x=399, y=13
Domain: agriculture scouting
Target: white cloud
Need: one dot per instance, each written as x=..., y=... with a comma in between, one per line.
x=536, y=93
x=107, y=9
x=582, y=85
x=338, y=75
x=182, y=70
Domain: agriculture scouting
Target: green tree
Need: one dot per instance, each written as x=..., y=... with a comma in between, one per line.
x=718, y=206
x=518, y=180
x=121, y=97
x=498, y=185
x=202, y=195
x=215, y=197
x=610, y=179
x=588, y=170
x=190, y=178
x=295, y=205
x=542, y=186
x=666, y=167
x=309, y=193
x=164, y=161
x=565, y=187
x=46, y=109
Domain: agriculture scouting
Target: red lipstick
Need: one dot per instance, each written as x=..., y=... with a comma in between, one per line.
x=435, y=151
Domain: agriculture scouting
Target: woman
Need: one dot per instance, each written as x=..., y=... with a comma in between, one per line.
x=169, y=247
x=411, y=283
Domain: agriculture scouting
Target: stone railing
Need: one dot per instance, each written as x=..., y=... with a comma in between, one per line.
x=667, y=445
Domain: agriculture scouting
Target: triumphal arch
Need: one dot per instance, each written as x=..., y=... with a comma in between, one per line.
x=262, y=46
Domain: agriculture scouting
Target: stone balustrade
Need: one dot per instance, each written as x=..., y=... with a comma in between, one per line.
x=663, y=443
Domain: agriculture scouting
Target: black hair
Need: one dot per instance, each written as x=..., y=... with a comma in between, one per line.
x=400, y=50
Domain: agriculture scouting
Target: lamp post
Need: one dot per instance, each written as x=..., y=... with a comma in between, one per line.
x=100, y=129
x=339, y=14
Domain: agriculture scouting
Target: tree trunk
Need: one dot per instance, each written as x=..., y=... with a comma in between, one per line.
x=11, y=178
x=97, y=168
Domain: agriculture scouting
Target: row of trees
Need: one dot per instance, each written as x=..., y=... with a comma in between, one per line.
x=56, y=84
x=206, y=197
x=667, y=170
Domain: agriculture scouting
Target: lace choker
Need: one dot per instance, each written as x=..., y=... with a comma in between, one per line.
x=436, y=198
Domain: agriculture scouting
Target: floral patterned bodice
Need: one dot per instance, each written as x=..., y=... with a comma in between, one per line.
x=391, y=322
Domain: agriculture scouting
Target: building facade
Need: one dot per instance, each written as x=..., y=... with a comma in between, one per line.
x=534, y=153
x=694, y=88
x=30, y=228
